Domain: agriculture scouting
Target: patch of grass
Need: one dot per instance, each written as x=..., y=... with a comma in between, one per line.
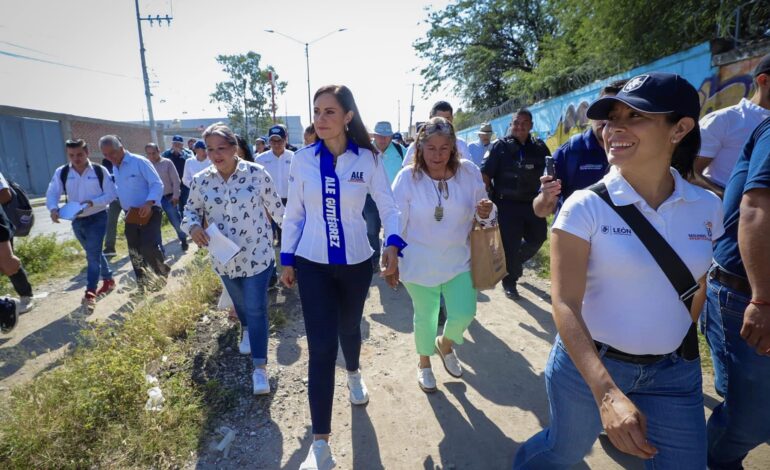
x=89, y=412
x=44, y=257
x=542, y=259
x=705, y=355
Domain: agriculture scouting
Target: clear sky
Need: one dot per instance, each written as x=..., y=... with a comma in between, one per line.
x=82, y=56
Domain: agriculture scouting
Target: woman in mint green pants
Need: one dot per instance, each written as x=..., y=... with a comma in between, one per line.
x=439, y=196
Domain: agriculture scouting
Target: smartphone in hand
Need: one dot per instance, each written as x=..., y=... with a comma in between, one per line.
x=550, y=169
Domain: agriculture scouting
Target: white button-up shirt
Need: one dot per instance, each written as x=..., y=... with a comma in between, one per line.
x=278, y=168
x=438, y=251
x=629, y=303
x=310, y=227
x=81, y=188
x=237, y=208
x=723, y=134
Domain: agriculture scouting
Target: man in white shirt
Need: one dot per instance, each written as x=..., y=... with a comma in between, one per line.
x=444, y=110
x=89, y=185
x=723, y=132
x=277, y=160
x=193, y=166
x=479, y=148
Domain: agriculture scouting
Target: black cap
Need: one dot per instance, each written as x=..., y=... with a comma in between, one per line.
x=763, y=66
x=654, y=92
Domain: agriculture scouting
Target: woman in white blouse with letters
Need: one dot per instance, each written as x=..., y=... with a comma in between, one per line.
x=439, y=196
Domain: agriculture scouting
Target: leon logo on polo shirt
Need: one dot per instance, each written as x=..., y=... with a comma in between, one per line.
x=610, y=230
x=357, y=177
x=703, y=236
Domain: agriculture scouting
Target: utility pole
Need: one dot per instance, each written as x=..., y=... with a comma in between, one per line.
x=245, y=111
x=147, y=93
x=411, y=111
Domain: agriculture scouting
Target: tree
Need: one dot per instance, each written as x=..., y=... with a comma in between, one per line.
x=247, y=84
x=473, y=44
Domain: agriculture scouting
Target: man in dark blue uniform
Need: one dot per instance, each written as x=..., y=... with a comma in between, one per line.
x=178, y=155
x=737, y=314
x=579, y=163
x=511, y=171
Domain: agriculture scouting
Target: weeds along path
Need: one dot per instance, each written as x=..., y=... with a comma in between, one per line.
x=47, y=332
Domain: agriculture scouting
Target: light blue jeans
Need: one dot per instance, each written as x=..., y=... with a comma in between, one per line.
x=173, y=217
x=250, y=300
x=90, y=233
x=668, y=393
x=741, y=376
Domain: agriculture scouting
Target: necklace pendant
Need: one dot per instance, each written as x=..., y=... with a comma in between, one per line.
x=443, y=189
x=438, y=213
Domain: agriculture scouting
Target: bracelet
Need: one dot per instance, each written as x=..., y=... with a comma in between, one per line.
x=759, y=302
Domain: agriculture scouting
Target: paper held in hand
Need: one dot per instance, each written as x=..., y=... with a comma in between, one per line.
x=220, y=247
x=71, y=210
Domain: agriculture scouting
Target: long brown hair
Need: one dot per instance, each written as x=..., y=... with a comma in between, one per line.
x=435, y=125
x=356, y=130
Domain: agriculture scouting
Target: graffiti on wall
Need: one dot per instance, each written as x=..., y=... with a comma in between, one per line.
x=573, y=121
x=727, y=86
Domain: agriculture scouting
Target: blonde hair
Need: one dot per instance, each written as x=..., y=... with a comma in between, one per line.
x=435, y=125
x=221, y=130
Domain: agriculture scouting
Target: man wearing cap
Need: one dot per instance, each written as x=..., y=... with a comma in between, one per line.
x=724, y=131
x=277, y=160
x=178, y=155
x=736, y=319
x=391, y=155
x=511, y=171
x=578, y=164
x=399, y=139
x=191, y=145
x=479, y=148
x=444, y=110
x=193, y=166
x=171, y=190
x=260, y=145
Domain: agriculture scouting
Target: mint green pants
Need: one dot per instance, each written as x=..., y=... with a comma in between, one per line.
x=460, y=298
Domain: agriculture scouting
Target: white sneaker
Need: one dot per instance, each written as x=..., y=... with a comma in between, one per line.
x=26, y=304
x=319, y=457
x=261, y=382
x=451, y=362
x=426, y=380
x=245, y=346
x=359, y=395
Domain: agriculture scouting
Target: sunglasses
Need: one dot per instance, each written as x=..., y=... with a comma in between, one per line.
x=441, y=127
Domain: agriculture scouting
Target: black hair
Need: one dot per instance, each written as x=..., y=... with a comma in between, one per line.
x=613, y=88
x=248, y=155
x=525, y=112
x=441, y=106
x=685, y=152
x=153, y=145
x=356, y=130
x=76, y=144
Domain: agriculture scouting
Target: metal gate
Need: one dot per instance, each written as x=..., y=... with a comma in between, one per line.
x=30, y=151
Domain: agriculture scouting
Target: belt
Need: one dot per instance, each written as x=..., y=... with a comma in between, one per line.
x=643, y=359
x=168, y=195
x=731, y=280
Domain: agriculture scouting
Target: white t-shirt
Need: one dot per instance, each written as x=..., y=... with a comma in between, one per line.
x=3, y=182
x=192, y=167
x=323, y=222
x=278, y=168
x=437, y=251
x=629, y=302
x=723, y=134
x=462, y=148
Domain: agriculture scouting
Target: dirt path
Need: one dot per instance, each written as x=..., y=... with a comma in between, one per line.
x=477, y=422
x=47, y=332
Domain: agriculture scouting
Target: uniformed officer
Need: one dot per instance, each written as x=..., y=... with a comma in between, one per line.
x=578, y=164
x=512, y=171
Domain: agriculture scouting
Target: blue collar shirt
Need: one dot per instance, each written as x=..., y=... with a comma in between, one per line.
x=137, y=182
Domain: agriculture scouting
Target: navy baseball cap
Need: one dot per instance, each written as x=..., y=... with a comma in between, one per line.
x=654, y=92
x=397, y=136
x=763, y=66
x=278, y=131
x=177, y=138
x=199, y=144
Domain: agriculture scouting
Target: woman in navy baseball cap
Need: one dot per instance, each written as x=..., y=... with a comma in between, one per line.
x=626, y=358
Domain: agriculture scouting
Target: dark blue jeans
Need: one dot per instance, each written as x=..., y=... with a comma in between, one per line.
x=249, y=296
x=332, y=298
x=373, y=225
x=667, y=392
x=183, y=195
x=741, y=376
x=173, y=217
x=90, y=233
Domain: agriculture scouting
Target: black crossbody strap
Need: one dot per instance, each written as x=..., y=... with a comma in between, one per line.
x=669, y=261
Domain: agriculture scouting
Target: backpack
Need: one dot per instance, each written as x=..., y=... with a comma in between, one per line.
x=400, y=150
x=65, y=171
x=19, y=210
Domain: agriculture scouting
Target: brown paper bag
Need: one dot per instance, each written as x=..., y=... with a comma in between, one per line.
x=487, y=257
x=132, y=217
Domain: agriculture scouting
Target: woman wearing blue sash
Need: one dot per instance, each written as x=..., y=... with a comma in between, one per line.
x=325, y=249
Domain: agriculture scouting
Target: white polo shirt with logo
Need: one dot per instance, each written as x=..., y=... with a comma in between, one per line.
x=723, y=134
x=629, y=302
x=278, y=168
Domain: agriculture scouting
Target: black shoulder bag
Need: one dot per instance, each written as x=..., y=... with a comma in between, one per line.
x=668, y=260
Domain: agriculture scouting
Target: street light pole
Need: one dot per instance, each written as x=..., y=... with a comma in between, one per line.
x=307, y=62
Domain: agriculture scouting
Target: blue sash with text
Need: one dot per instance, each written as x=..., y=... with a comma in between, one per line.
x=330, y=186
